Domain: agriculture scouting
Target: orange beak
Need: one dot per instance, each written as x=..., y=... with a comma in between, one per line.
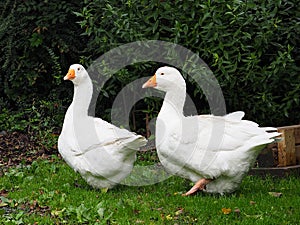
x=70, y=75
x=151, y=82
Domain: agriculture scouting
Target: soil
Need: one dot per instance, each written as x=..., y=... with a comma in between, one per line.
x=19, y=148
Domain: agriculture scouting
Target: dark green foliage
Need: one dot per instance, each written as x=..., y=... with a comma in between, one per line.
x=39, y=39
x=251, y=46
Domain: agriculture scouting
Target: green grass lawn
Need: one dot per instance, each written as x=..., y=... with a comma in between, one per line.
x=49, y=192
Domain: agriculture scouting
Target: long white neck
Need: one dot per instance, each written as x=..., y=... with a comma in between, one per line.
x=82, y=97
x=77, y=121
x=173, y=104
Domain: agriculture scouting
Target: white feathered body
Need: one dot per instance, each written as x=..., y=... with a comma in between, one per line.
x=222, y=148
x=102, y=153
x=105, y=156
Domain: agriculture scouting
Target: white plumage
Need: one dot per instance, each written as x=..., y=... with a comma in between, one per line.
x=102, y=153
x=215, y=152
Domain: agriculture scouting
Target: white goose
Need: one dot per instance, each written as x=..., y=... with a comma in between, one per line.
x=102, y=153
x=214, y=152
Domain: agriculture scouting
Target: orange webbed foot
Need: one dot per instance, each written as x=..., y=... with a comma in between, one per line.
x=199, y=186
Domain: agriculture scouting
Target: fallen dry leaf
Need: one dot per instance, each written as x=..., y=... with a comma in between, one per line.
x=252, y=202
x=3, y=193
x=253, y=216
x=136, y=211
x=179, y=211
x=226, y=211
x=4, y=201
x=57, y=213
x=237, y=211
x=169, y=217
x=3, y=204
x=275, y=194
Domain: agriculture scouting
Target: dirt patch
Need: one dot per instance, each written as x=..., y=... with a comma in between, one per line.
x=17, y=148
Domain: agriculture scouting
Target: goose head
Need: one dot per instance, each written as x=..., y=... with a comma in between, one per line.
x=166, y=79
x=77, y=74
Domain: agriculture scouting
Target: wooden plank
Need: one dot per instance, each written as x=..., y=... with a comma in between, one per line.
x=276, y=171
x=296, y=132
x=297, y=135
x=289, y=127
x=298, y=154
x=286, y=147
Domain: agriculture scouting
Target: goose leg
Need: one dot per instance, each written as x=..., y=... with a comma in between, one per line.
x=200, y=185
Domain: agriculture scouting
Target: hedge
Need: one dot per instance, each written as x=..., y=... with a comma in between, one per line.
x=39, y=40
x=250, y=45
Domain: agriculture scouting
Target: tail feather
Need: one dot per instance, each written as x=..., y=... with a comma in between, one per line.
x=272, y=133
x=136, y=142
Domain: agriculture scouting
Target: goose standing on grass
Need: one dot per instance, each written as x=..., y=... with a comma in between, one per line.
x=102, y=153
x=214, y=152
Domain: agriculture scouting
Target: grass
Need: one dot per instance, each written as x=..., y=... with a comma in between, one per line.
x=49, y=192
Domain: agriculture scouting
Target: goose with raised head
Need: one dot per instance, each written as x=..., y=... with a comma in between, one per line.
x=102, y=153
x=214, y=152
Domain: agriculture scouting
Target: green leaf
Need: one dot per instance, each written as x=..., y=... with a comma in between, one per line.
x=36, y=40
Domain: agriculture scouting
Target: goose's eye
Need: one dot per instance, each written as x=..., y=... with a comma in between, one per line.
x=78, y=68
x=162, y=73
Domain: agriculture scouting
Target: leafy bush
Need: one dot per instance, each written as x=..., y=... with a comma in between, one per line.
x=251, y=46
x=39, y=39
